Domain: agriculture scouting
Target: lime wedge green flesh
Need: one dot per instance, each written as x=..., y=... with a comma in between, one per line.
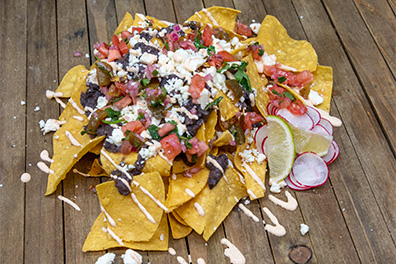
x=308, y=141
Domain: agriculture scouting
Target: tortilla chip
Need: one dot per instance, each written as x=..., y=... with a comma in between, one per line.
x=125, y=23
x=73, y=80
x=214, y=151
x=262, y=99
x=98, y=240
x=226, y=107
x=66, y=154
x=131, y=223
x=178, y=230
x=298, y=54
x=97, y=170
x=177, y=194
x=224, y=16
x=210, y=125
x=152, y=164
x=217, y=204
x=158, y=24
x=178, y=218
x=256, y=191
x=139, y=19
x=223, y=140
x=96, y=150
x=323, y=84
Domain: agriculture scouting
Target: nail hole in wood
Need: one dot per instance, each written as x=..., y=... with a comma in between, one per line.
x=300, y=254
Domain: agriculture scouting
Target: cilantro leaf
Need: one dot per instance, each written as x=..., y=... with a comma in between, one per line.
x=198, y=44
x=261, y=52
x=115, y=121
x=153, y=130
x=289, y=95
x=112, y=114
x=215, y=102
x=155, y=72
x=140, y=116
x=281, y=79
x=145, y=82
x=242, y=77
x=211, y=50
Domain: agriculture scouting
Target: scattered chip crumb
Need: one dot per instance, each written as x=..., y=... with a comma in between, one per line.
x=37, y=108
x=107, y=258
x=30, y=164
x=23, y=102
x=14, y=117
x=26, y=177
x=132, y=257
x=304, y=229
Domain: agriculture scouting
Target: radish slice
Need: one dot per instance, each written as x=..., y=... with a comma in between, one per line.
x=320, y=130
x=269, y=108
x=263, y=146
x=260, y=135
x=310, y=169
x=301, y=121
x=295, y=182
x=337, y=150
x=294, y=187
x=314, y=115
x=329, y=157
x=327, y=125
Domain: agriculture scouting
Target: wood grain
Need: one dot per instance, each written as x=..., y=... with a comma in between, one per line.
x=102, y=20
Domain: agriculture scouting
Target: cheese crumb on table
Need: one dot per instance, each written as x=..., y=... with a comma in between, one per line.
x=304, y=229
x=107, y=258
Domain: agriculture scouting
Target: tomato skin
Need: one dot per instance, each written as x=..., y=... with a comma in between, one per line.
x=171, y=145
x=243, y=29
x=134, y=126
x=303, y=78
x=215, y=60
x=278, y=94
x=123, y=47
x=115, y=40
x=114, y=54
x=256, y=50
x=196, y=86
x=250, y=119
x=207, y=36
x=125, y=34
x=122, y=87
x=124, y=102
x=226, y=56
x=297, y=108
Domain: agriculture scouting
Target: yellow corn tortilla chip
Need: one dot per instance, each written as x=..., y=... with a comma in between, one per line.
x=224, y=139
x=178, y=218
x=178, y=230
x=217, y=204
x=139, y=18
x=256, y=191
x=96, y=150
x=262, y=99
x=97, y=170
x=66, y=154
x=158, y=24
x=298, y=54
x=214, y=151
x=125, y=23
x=98, y=240
x=226, y=107
x=323, y=84
x=131, y=223
x=210, y=125
x=177, y=194
x=224, y=16
x=73, y=80
x=152, y=164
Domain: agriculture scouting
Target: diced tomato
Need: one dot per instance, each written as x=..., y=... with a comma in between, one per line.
x=256, y=51
x=269, y=70
x=123, y=47
x=207, y=36
x=243, y=29
x=276, y=92
x=115, y=40
x=202, y=148
x=197, y=85
x=125, y=34
x=215, y=60
x=303, y=78
x=102, y=48
x=114, y=54
x=126, y=147
x=124, y=102
x=171, y=145
x=192, y=35
x=227, y=56
x=284, y=102
x=165, y=129
x=134, y=126
x=250, y=119
x=297, y=108
x=122, y=87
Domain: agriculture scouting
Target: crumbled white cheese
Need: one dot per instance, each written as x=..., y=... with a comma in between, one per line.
x=132, y=257
x=37, y=108
x=148, y=58
x=116, y=137
x=315, y=98
x=204, y=98
x=92, y=77
x=304, y=229
x=221, y=44
x=276, y=187
x=86, y=55
x=255, y=27
x=107, y=258
x=102, y=102
x=23, y=102
x=49, y=125
x=149, y=152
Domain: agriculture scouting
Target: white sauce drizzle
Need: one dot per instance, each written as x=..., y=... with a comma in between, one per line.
x=68, y=201
x=172, y=251
x=277, y=229
x=188, y=113
x=75, y=106
x=181, y=260
x=44, y=168
x=114, y=236
x=210, y=17
x=254, y=175
x=44, y=155
x=79, y=118
x=50, y=94
x=59, y=101
x=143, y=209
x=248, y=212
x=125, y=182
x=114, y=164
x=290, y=205
x=232, y=252
x=251, y=194
x=189, y=192
x=199, y=208
x=108, y=217
x=146, y=192
x=201, y=261
x=73, y=141
x=165, y=158
x=81, y=173
x=26, y=177
x=215, y=163
x=198, y=14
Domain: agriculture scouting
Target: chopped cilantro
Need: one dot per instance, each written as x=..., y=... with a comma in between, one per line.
x=227, y=66
x=113, y=100
x=149, y=23
x=155, y=72
x=242, y=77
x=145, y=82
x=281, y=79
x=174, y=131
x=97, y=58
x=211, y=50
x=198, y=44
x=140, y=116
x=261, y=52
x=153, y=129
x=215, y=102
x=115, y=121
x=194, y=158
x=112, y=114
x=103, y=69
x=289, y=95
x=83, y=132
x=276, y=93
x=127, y=132
x=166, y=45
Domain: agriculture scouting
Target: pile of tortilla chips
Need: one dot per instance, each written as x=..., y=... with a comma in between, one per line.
x=138, y=221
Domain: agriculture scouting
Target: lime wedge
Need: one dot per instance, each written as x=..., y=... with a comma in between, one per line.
x=279, y=148
x=308, y=141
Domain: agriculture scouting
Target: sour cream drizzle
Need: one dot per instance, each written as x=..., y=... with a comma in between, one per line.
x=189, y=192
x=68, y=201
x=114, y=236
x=44, y=155
x=81, y=173
x=44, y=168
x=210, y=17
x=181, y=260
x=125, y=182
x=254, y=175
x=251, y=194
x=75, y=106
x=59, y=101
x=108, y=217
x=114, y=164
x=201, y=261
x=290, y=205
x=146, y=192
x=172, y=251
x=188, y=113
x=143, y=209
x=277, y=229
x=215, y=163
x=199, y=208
x=248, y=212
x=50, y=94
x=232, y=252
x=79, y=118
x=73, y=141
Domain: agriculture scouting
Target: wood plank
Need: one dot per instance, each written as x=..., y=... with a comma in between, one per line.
x=161, y=9
x=102, y=20
x=184, y=11
x=375, y=156
x=44, y=222
x=12, y=190
x=225, y=3
x=210, y=250
x=131, y=6
x=251, y=9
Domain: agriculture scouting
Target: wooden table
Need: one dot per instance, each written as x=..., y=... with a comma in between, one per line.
x=351, y=217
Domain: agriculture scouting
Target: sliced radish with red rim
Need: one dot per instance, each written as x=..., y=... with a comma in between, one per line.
x=320, y=130
x=261, y=134
x=294, y=187
x=329, y=157
x=327, y=125
x=310, y=169
x=337, y=151
x=301, y=121
x=313, y=114
x=263, y=146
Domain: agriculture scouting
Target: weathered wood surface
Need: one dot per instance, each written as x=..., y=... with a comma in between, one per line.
x=351, y=218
